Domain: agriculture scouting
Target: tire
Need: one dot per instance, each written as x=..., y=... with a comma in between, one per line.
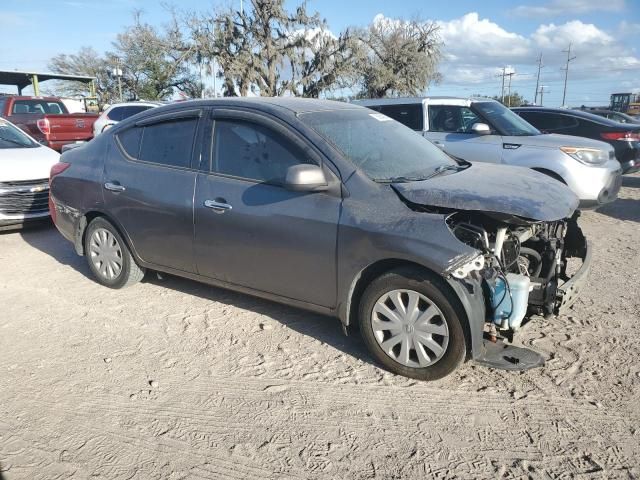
x=432, y=339
x=108, y=256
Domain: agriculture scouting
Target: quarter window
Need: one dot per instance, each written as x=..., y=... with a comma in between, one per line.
x=409, y=115
x=251, y=151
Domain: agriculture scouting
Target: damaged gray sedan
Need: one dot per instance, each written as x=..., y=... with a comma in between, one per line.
x=335, y=209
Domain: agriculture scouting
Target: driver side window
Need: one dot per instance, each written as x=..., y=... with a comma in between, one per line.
x=451, y=119
x=248, y=150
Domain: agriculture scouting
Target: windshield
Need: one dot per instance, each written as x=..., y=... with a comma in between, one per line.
x=12, y=137
x=504, y=120
x=385, y=150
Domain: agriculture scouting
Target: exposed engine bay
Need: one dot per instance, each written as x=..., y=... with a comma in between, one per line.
x=523, y=263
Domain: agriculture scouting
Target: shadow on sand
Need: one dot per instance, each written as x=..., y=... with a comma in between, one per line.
x=325, y=329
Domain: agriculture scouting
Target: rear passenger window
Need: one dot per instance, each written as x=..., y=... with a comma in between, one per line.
x=167, y=143
x=409, y=115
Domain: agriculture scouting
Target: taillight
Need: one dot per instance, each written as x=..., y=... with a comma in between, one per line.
x=44, y=126
x=621, y=135
x=57, y=169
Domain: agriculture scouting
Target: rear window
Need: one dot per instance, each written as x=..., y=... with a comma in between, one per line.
x=409, y=115
x=120, y=113
x=38, y=107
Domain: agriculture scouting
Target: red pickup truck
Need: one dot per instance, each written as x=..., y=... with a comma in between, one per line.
x=47, y=120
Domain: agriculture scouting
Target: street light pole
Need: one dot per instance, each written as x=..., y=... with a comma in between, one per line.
x=118, y=73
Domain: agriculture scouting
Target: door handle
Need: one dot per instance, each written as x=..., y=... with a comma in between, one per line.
x=114, y=187
x=217, y=206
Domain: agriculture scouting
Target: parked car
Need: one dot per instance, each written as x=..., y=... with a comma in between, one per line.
x=47, y=120
x=483, y=130
x=332, y=208
x=624, y=138
x=613, y=115
x=118, y=112
x=24, y=177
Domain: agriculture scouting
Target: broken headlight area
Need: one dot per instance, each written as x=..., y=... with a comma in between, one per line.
x=524, y=264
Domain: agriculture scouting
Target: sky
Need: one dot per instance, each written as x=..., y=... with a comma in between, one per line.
x=480, y=38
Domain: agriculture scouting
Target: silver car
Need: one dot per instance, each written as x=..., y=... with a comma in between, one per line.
x=483, y=130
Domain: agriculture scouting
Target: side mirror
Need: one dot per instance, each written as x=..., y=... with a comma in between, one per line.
x=305, y=178
x=480, y=129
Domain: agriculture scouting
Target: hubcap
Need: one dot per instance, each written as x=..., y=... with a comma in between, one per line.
x=410, y=328
x=106, y=254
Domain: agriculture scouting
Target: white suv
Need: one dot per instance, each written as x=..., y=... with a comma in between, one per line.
x=483, y=130
x=118, y=112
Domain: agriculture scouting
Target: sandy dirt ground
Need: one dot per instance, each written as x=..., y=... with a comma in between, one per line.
x=171, y=379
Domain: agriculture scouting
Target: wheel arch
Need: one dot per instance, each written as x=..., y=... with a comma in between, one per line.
x=87, y=218
x=550, y=173
x=464, y=305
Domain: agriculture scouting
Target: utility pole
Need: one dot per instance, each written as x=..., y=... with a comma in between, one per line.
x=542, y=92
x=540, y=65
x=566, y=72
x=510, y=74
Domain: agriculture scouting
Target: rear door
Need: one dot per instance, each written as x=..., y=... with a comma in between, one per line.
x=149, y=183
x=450, y=129
x=249, y=229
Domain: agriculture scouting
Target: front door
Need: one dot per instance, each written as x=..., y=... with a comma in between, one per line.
x=253, y=232
x=148, y=188
x=450, y=129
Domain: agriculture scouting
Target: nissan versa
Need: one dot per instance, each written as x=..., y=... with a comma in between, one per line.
x=332, y=208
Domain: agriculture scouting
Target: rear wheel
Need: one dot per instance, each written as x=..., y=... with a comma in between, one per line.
x=410, y=325
x=109, y=257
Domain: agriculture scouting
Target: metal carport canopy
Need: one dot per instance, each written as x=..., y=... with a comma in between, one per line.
x=24, y=79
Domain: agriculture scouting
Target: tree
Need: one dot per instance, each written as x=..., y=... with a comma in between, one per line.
x=270, y=51
x=513, y=100
x=323, y=61
x=398, y=57
x=86, y=62
x=155, y=63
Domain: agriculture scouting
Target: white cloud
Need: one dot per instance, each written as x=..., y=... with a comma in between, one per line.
x=579, y=34
x=569, y=7
x=476, y=39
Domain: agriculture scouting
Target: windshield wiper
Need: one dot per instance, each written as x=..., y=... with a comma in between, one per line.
x=15, y=142
x=400, y=179
x=445, y=168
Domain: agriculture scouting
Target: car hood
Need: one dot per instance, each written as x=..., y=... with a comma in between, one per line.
x=555, y=140
x=18, y=164
x=492, y=188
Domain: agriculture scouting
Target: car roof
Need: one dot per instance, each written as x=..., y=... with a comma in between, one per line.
x=410, y=100
x=291, y=105
x=152, y=103
x=566, y=111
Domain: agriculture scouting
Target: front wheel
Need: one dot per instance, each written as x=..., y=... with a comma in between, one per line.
x=410, y=325
x=109, y=257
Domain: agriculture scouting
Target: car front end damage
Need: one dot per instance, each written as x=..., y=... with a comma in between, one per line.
x=530, y=256
x=526, y=267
